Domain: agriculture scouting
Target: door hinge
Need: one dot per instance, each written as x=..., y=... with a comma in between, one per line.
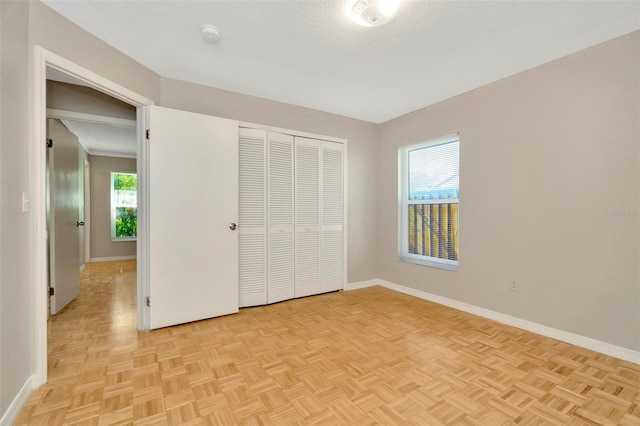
x=147, y=134
x=148, y=301
x=52, y=291
x=49, y=143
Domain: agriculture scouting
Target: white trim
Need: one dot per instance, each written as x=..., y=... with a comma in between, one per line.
x=142, y=245
x=37, y=216
x=18, y=402
x=244, y=124
x=86, y=174
x=360, y=284
x=90, y=118
x=83, y=267
x=113, y=258
x=446, y=264
x=554, y=333
x=345, y=211
x=95, y=153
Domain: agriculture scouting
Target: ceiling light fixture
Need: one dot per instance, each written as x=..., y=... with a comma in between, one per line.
x=373, y=13
x=210, y=33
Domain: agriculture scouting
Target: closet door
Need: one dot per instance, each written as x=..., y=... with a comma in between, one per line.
x=332, y=229
x=280, y=217
x=252, y=224
x=307, y=216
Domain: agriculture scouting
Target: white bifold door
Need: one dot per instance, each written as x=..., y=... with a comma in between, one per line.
x=291, y=216
x=193, y=210
x=319, y=183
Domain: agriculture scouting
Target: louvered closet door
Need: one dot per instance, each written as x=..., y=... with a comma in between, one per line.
x=252, y=224
x=332, y=249
x=307, y=217
x=280, y=275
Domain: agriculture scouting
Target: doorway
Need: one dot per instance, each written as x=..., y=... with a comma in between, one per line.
x=47, y=61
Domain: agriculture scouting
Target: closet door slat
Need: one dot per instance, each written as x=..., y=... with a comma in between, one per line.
x=307, y=216
x=252, y=217
x=280, y=188
x=332, y=233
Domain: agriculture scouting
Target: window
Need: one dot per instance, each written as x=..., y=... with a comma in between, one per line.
x=428, y=208
x=124, y=206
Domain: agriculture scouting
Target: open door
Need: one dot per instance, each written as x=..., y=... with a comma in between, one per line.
x=193, y=208
x=65, y=219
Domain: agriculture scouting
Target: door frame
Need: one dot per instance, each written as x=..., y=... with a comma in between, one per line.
x=86, y=176
x=37, y=188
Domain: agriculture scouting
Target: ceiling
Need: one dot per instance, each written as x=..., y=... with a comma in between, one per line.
x=104, y=139
x=309, y=53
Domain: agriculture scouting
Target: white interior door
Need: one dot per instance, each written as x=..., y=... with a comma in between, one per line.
x=193, y=194
x=65, y=214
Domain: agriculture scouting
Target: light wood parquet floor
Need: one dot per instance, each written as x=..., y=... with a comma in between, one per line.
x=364, y=357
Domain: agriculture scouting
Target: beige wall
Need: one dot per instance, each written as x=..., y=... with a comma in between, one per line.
x=69, y=97
x=25, y=24
x=100, y=181
x=16, y=345
x=543, y=155
x=361, y=149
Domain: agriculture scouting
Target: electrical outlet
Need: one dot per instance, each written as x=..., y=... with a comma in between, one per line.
x=514, y=285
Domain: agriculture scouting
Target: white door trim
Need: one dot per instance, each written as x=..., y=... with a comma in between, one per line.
x=37, y=216
x=87, y=211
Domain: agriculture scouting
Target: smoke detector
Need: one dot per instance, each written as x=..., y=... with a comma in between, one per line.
x=210, y=33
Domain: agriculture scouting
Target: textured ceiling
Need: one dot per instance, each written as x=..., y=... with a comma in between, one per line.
x=308, y=53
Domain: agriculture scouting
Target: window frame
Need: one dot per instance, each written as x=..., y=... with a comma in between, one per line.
x=404, y=202
x=113, y=208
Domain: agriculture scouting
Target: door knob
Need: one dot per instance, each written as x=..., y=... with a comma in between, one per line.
x=79, y=223
x=233, y=226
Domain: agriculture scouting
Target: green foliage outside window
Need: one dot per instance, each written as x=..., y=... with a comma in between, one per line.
x=124, y=204
x=126, y=222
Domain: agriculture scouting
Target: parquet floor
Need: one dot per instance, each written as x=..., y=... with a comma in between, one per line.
x=364, y=357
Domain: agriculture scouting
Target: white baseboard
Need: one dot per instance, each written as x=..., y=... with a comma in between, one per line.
x=554, y=333
x=113, y=258
x=82, y=267
x=18, y=402
x=360, y=284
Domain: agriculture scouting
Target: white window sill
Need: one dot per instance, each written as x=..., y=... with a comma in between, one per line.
x=444, y=264
x=123, y=240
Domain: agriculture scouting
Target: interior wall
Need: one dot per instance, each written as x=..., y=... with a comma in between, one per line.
x=25, y=24
x=16, y=316
x=1, y=70
x=362, y=139
x=70, y=97
x=100, y=181
x=549, y=194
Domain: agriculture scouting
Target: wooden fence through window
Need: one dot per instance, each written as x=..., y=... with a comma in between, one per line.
x=433, y=230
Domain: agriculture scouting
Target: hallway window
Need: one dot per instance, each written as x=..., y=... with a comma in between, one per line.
x=124, y=206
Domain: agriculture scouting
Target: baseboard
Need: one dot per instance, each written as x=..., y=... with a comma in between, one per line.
x=10, y=416
x=554, y=333
x=360, y=284
x=113, y=258
x=82, y=267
